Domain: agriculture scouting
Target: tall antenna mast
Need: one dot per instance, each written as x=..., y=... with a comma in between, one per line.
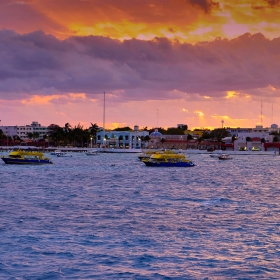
x=272, y=115
x=103, y=119
x=222, y=123
x=261, y=113
x=157, y=118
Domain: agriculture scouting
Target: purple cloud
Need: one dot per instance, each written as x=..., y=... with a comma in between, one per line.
x=36, y=63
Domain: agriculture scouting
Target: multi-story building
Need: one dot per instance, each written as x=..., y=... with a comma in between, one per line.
x=22, y=131
x=121, y=139
x=249, y=138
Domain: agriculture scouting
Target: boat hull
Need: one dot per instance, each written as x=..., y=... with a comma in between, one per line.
x=26, y=161
x=169, y=164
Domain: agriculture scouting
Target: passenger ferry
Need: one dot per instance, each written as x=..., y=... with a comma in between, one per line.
x=168, y=159
x=148, y=153
x=18, y=156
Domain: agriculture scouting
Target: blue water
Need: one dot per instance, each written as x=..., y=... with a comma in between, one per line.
x=111, y=217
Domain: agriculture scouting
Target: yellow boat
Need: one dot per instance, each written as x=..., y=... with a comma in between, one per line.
x=18, y=156
x=168, y=159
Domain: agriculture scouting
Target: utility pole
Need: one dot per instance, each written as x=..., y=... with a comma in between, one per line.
x=272, y=114
x=157, y=118
x=103, y=120
x=261, y=113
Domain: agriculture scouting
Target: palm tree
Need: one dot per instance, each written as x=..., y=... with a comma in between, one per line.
x=36, y=135
x=93, y=130
x=200, y=139
x=16, y=138
x=233, y=138
x=162, y=140
x=189, y=137
x=275, y=139
x=248, y=139
x=67, y=127
x=29, y=135
x=147, y=138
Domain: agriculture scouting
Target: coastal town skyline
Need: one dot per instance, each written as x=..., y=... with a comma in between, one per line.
x=160, y=63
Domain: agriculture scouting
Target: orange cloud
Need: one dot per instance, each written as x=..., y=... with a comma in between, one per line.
x=183, y=20
x=40, y=100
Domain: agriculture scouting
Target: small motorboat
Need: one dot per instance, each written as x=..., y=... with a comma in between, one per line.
x=215, y=155
x=92, y=153
x=63, y=154
x=56, y=152
x=225, y=157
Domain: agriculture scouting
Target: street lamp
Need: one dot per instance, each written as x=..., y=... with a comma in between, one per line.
x=91, y=142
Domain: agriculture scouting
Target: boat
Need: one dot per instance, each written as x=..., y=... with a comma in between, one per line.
x=215, y=155
x=56, y=152
x=63, y=154
x=149, y=153
x=18, y=156
x=168, y=159
x=225, y=157
x=92, y=153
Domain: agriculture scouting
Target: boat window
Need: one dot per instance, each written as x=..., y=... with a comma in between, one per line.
x=15, y=156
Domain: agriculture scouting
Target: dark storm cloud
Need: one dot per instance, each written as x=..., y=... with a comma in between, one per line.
x=37, y=63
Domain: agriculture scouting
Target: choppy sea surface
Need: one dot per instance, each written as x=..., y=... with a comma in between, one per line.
x=111, y=217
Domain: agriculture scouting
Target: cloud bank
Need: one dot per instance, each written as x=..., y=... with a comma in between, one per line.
x=36, y=63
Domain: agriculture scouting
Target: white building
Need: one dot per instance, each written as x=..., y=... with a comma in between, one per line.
x=22, y=131
x=121, y=139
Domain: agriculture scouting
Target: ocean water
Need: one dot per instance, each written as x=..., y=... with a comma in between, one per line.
x=111, y=217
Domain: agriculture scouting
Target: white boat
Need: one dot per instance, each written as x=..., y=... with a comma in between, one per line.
x=215, y=155
x=63, y=154
x=224, y=157
x=56, y=152
x=92, y=153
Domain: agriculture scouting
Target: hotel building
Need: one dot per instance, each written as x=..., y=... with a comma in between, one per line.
x=22, y=131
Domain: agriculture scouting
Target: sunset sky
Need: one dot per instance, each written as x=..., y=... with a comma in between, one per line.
x=160, y=62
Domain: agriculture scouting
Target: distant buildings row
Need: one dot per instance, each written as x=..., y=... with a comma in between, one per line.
x=261, y=138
